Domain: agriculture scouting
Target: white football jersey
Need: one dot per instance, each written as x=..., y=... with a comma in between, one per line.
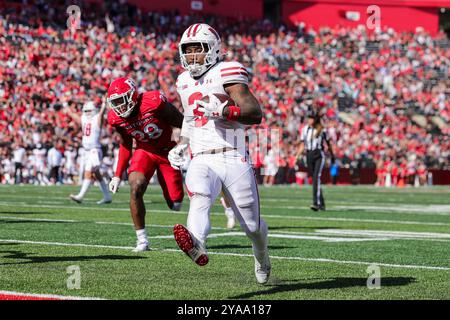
x=207, y=134
x=69, y=156
x=40, y=155
x=91, y=132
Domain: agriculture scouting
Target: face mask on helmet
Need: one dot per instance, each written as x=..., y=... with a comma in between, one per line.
x=197, y=58
x=122, y=104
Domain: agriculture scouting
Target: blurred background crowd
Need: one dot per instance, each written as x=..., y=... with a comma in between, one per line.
x=383, y=95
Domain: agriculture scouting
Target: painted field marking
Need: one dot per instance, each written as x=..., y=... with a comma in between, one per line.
x=407, y=266
x=12, y=295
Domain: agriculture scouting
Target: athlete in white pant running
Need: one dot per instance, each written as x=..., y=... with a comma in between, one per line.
x=214, y=130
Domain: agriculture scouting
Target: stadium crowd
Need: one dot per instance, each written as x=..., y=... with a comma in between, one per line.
x=382, y=94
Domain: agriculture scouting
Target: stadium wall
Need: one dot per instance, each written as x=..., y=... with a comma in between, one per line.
x=400, y=15
x=230, y=8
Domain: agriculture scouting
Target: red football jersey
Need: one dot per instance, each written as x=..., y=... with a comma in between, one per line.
x=145, y=125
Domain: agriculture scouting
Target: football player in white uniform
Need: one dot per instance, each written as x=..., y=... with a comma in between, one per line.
x=40, y=155
x=215, y=134
x=91, y=122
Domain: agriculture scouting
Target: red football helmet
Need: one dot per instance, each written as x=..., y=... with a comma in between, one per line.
x=122, y=96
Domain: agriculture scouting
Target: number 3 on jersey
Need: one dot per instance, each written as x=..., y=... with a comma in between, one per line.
x=200, y=121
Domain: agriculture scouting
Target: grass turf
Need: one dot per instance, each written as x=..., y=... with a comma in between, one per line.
x=315, y=255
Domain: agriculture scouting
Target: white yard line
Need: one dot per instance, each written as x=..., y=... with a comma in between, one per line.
x=425, y=210
x=87, y=221
x=407, y=266
x=287, y=217
x=385, y=233
x=351, y=235
x=400, y=208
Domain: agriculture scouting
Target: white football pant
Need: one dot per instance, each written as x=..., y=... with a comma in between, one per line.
x=207, y=175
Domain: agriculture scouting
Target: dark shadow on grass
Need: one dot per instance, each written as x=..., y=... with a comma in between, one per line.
x=337, y=283
x=237, y=246
x=15, y=255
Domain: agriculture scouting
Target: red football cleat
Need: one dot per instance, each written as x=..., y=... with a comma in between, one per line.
x=187, y=244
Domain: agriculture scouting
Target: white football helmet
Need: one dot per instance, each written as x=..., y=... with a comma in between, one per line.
x=89, y=109
x=211, y=43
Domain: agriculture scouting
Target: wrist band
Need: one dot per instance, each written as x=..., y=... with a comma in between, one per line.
x=234, y=113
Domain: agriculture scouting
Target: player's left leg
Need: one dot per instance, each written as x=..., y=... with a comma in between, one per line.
x=171, y=182
x=141, y=169
x=242, y=192
x=87, y=178
x=103, y=187
x=87, y=181
x=203, y=186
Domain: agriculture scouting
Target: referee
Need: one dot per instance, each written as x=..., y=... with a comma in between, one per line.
x=312, y=139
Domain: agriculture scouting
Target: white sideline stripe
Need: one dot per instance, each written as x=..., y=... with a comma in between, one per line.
x=236, y=255
x=304, y=236
x=357, y=220
x=54, y=296
x=386, y=233
x=425, y=210
x=441, y=210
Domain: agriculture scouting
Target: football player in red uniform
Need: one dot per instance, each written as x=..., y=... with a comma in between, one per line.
x=148, y=119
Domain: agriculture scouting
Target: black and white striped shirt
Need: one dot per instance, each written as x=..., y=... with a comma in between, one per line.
x=308, y=136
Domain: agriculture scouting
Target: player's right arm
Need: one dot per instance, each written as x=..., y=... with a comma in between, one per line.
x=101, y=113
x=73, y=115
x=125, y=151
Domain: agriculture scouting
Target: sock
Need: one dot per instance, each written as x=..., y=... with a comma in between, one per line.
x=84, y=188
x=104, y=189
x=229, y=213
x=142, y=236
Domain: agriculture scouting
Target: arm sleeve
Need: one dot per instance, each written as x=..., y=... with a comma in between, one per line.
x=233, y=72
x=124, y=155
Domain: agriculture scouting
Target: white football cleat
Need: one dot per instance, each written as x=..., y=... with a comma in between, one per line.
x=262, y=272
x=76, y=198
x=141, y=247
x=187, y=244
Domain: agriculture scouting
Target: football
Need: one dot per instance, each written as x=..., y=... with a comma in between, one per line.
x=222, y=98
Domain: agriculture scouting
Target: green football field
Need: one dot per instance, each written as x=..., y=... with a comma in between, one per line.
x=404, y=234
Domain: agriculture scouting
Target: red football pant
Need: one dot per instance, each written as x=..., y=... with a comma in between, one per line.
x=170, y=179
